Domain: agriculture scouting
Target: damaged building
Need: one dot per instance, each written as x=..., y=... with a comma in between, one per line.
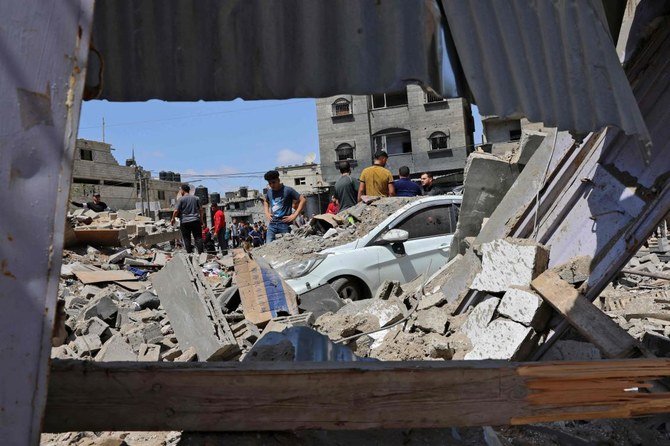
x=554, y=262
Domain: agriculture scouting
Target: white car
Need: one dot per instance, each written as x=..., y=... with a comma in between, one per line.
x=412, y=241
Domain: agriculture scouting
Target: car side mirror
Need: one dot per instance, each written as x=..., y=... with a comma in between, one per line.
x=394, y=236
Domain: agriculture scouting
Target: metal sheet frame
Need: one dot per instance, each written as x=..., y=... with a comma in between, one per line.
x=44, y=50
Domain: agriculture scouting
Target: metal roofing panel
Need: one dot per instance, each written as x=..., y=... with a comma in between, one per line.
x=551, y=61
x=185, y=50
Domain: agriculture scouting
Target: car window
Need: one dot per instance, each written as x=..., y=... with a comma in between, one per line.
x=429, y=222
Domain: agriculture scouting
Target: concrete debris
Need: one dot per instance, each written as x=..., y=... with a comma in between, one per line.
x=510, y=262
x=351, y=224
x=320, y=300
x=525, y=306
x=479, y=319
x=502, y=339
x=432, y=320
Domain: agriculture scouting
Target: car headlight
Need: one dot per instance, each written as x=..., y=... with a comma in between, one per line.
x=298, y=268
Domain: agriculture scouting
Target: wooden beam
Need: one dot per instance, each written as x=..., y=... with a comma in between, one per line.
x=363, y=395
x=612, y=340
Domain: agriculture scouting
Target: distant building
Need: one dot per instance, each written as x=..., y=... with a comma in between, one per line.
x=417, y=129
x=503, y=135
x=96, y=170
x=243, y=204
x=305, y=178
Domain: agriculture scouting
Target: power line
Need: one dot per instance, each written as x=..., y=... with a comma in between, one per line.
x=176, y=118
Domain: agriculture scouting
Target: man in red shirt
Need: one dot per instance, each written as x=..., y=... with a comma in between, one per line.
x=220, y=228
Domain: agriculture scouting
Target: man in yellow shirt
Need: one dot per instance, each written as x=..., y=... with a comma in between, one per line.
x=376, y=180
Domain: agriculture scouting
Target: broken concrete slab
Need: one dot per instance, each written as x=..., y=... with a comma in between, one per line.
x=118, y=256
x=479, y=318
x=525, y=306
x=149, y=353
x=502, y=339
x=510, y=262
x=487, y=179
x=528, y=144
x=191, y=307
x=103, y=307
x=456, y=277
x=87, y=344
x=432, y=320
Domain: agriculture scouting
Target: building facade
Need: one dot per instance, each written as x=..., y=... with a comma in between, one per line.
x=305, y=178
x=417, y=129
x=122, y=187
x=503, y=135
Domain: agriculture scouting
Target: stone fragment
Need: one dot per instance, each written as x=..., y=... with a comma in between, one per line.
x=87, y=344
x=188, y=356
x=479, y=318
x=95, y=326
x=151, y=333
x=89, y=291
x=62, y=352
x=387, y=289
x=653, y=258
x=149, y=353
x=510, y=262
x=118, y=256
x=171, y=354
x=75, y=302
x=502, y=339
x=432, y=320
x=520, y=305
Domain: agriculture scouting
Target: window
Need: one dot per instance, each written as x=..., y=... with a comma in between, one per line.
x=515, y=135
x=393, y=142
x=430, y=222
x=300, y=181
x=344, y=152
x=341, y=107
x=394, y=99
x=161, y=195
x=86, y=154
x=433, y=97
x=439, y=140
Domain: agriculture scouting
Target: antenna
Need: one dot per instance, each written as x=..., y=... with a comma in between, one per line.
x=309, y=159
x=103, y=129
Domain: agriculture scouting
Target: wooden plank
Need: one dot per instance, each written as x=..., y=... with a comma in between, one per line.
x=45, y=48
x=612, y=340
x=102, y=237
x=87, y=277
x=259, y=396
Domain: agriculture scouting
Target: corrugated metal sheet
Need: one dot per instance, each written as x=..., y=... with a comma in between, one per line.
x=185, y=50
x=551, y=61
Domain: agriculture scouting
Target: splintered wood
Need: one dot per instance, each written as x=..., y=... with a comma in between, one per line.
x=394, y=395
x=589, y=321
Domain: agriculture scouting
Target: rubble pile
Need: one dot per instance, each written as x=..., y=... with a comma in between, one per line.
x=327, y=231
x=127, y=227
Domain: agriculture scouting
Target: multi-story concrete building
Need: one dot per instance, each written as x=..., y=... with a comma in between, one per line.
x=305, y=178
x=417, y=129
x=503, y=135
x=122, y=187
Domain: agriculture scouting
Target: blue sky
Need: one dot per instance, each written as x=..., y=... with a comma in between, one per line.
x=209, y=137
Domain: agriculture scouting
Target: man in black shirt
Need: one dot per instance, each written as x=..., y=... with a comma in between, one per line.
x=190, y=216
x=96, y=205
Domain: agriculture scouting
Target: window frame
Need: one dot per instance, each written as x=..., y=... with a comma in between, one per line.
x=435, y=136
x=382, y=136
x=339, y=103
x=345, y=146
x=384, y=96
x=87, y=151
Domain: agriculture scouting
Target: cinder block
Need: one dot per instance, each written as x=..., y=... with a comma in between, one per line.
x=479, y=318
x=149, y=353
x=87, y=344
x=510, y=262
x=502, y=339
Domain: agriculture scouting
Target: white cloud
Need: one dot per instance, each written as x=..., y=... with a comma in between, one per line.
x=287, y=156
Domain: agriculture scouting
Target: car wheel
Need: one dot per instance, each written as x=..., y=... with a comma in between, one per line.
x=348, y=288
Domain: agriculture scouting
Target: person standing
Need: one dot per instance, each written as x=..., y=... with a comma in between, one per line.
x=190, y=216
x=96, y=205
x=220, y=228
x=404, y=187
x=376, y=180
x=427, y=186
x=346, y=187
x=278, y=205
x=235, y=233
x=255, y=235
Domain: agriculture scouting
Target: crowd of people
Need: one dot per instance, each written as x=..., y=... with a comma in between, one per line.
x=283, y=206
